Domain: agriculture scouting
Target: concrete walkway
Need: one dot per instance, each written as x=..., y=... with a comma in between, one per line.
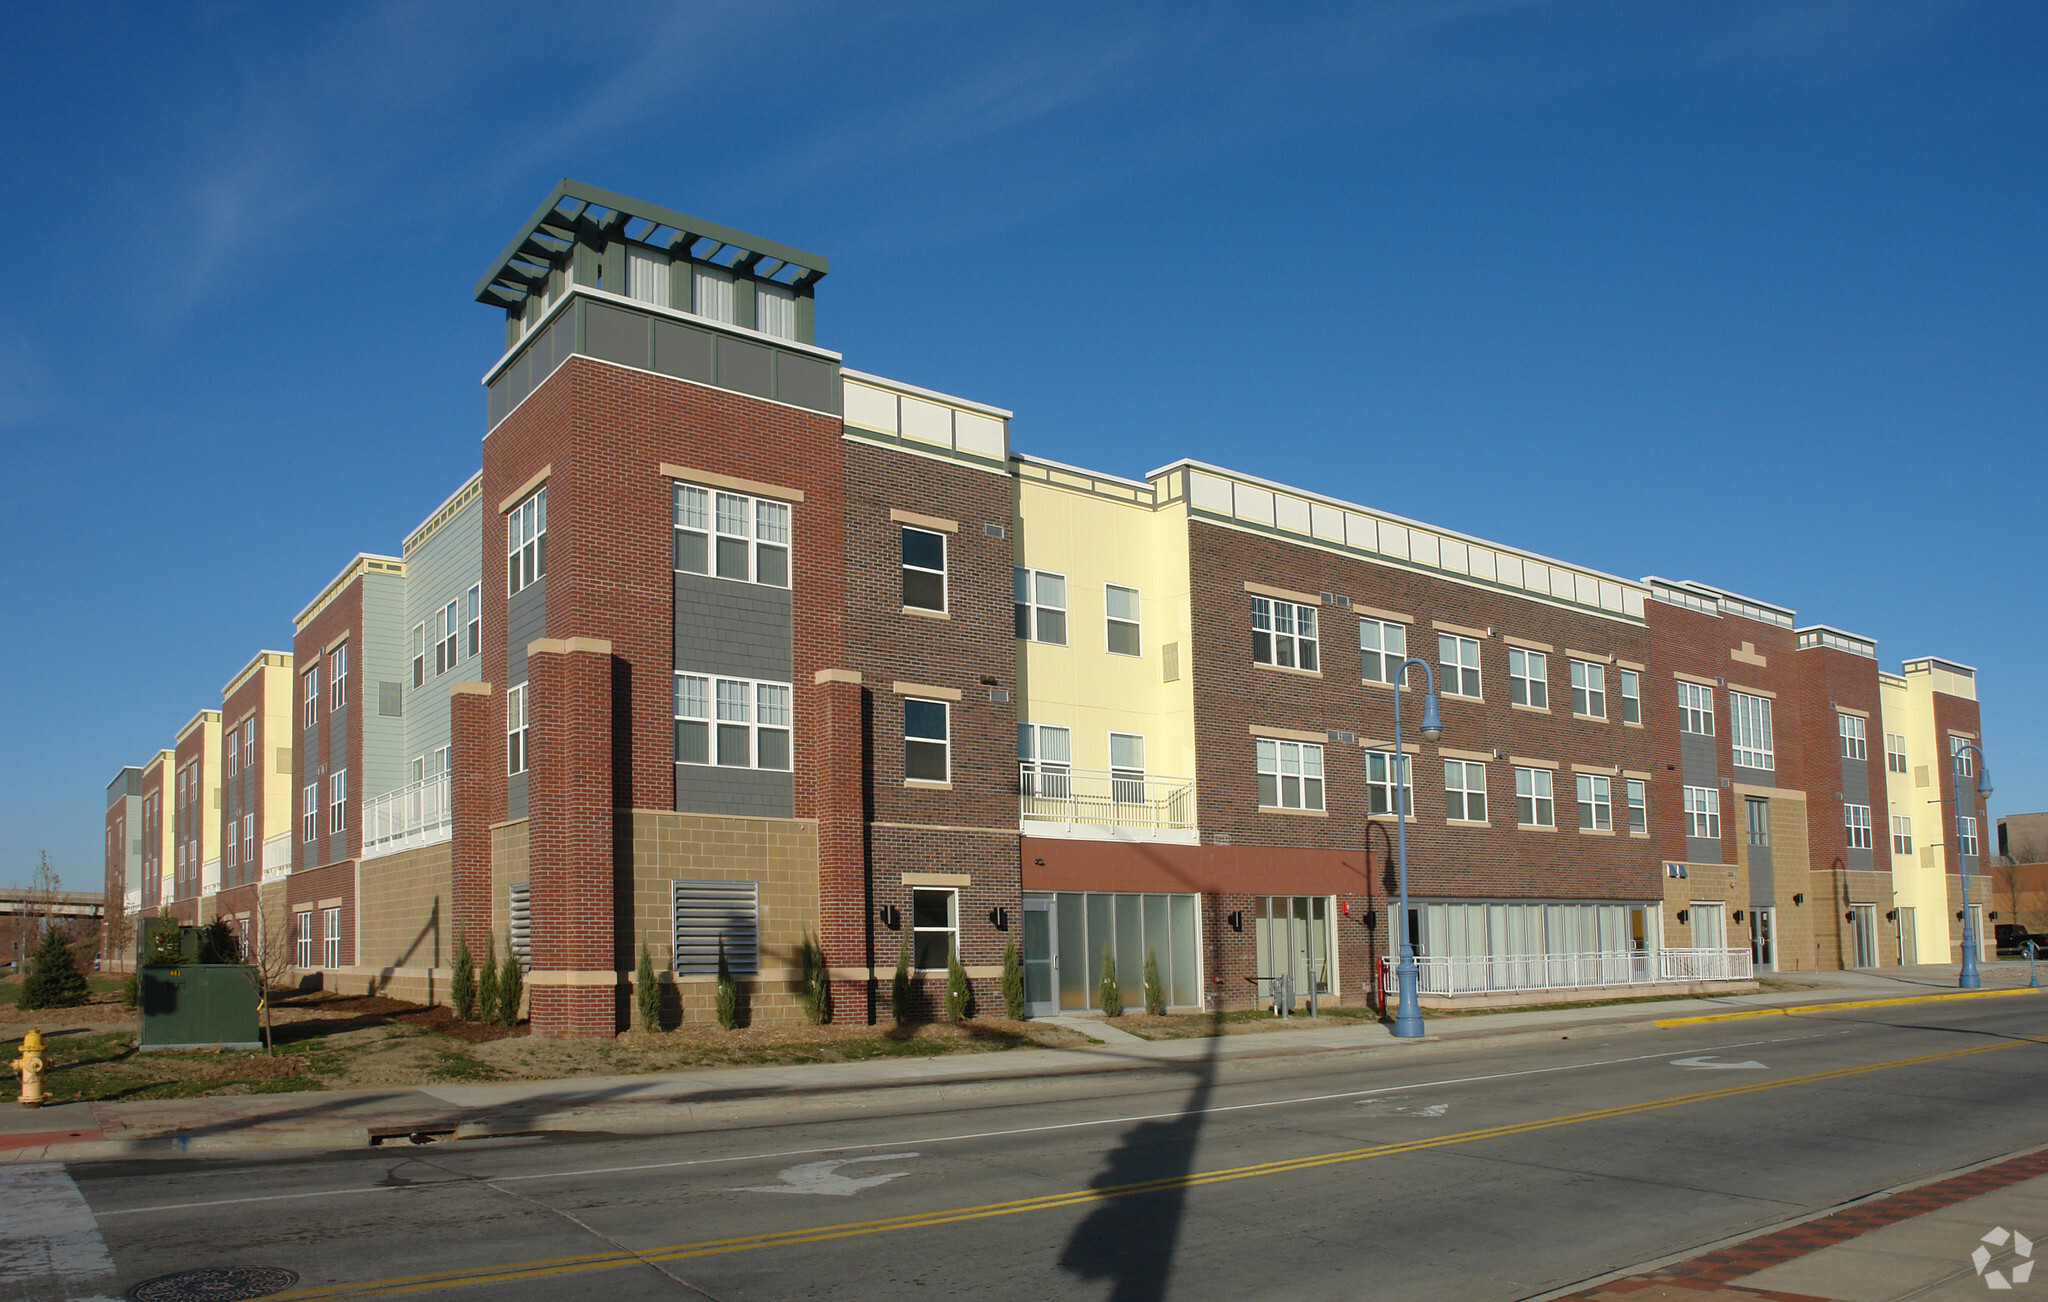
x=690, y=1099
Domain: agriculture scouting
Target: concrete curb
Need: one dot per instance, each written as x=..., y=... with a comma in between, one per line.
x=1842, y=1003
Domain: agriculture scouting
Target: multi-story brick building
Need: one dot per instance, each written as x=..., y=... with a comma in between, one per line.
x=195, y=815
x=256, y=786
x=124, y=862
x=785, y=650
x=1929, y=711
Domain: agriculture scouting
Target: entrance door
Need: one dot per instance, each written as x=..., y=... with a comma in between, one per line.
x=1984, y=949
x=1909, y=938
x=1864, y=926
x=1040, y=965
x=1761, y=939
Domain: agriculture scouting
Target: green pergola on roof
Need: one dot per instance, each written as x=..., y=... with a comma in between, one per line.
x=575, y=207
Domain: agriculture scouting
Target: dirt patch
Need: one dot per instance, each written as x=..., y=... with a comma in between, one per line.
x=1187, y=1026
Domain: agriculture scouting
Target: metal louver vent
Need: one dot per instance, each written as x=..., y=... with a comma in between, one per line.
x=708, y=912
x=521, y=913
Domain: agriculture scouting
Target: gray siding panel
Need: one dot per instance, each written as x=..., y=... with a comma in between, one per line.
x=1698, y=760
x=384, y=659
x=1702, y=851
x=1754, y=777
x=743, y=367
x=682, y=351
x=616, y=336
x=1855, y=782
x=805, y=381
x=1763, y=879
x=743, y=630
x=441, y=569
x=746, y=793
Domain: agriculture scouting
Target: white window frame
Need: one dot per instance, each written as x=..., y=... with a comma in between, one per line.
x=234, y=750
x=309, y=813
x=1040, y=601
x=249, y=746
x=475, y=621
x=1963, y=762
x=249, y=839
x=1895, y=752
x=1126, y=768
x=1589, y=689
x=1529, y=678
x=909, y=570
x=1535, y=797
x=1457, y=662
x=1129, y=623
x=1631, y=696
x=1044, y=773
x=745, y=539
x=337, y=685
x=1703, y=813
x=1596, y=802
x=419, y=654
x=1855, y=736
x=950, y=928
x=1291, y=772
x=330, y=938
x=1638, y=794
x=747, y=711
x=526, y=542
x=309, y=689
x=1285, y=631
x=1695, y=708
x=1759, y=832
x=518, y=730
x=1902, y=834
x=943, y=743
x=303, y=924
x=448, y=646
x=1382, y=647
x=1465, y=791
x=1966, y=834
x=1856, y=824
x=1750, y=738
x=337, y=802
x=1380, y=775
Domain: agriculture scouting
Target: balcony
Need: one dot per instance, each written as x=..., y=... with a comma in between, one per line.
x=407, y=818
x=1057, y=801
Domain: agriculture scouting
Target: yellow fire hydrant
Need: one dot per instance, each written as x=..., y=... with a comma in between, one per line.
x=29, y=1066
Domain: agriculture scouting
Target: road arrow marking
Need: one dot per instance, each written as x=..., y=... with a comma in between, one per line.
x=1706, y=1060
x=824, y=1177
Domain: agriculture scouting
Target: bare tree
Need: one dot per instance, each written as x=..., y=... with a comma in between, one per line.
x=269, y=961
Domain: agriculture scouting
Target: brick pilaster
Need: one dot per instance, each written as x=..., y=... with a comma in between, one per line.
x=575, y=986
x=846, y=904
x=475, y=752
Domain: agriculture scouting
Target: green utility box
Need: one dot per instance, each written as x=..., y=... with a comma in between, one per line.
x=193, y=1005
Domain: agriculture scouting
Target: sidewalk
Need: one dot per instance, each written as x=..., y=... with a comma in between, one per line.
x=683, y=1100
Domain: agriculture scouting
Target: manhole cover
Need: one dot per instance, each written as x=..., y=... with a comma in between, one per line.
x=215, y=1284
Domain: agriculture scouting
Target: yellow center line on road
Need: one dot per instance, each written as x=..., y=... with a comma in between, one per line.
x=554, y=1266
x=1670, y=1022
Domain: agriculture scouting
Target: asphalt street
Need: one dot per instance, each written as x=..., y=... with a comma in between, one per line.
x=1455, y=1171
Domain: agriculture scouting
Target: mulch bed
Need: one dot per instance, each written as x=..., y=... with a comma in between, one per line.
x=372, y=1010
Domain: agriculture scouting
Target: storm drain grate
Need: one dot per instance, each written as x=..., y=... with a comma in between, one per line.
x=215, y=1284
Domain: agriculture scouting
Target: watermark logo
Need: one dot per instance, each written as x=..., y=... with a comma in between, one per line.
x=2021, y=1269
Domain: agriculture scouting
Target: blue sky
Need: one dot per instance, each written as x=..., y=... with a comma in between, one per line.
x=1748, y=292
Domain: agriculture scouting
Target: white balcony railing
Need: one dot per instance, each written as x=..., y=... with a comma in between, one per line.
x=1474, y=976
x=409, y=817
x=277, y=857
x=1052, y=793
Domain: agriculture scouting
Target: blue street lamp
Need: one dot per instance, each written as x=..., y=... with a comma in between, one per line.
x=1408, y=1018
x=1968, y=978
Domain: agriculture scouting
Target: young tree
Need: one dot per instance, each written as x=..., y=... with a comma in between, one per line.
x=510, y=982
x=646, y=993
x=54, y=980
x=1155, y=990
x=728, y=991
x=1013, y=982
x=1109, y=991
x=487, y=982
x=959, y=993
x=462, y=985
x=899, y=986
x=270, y=966
x=816, y=981
x=219, y=944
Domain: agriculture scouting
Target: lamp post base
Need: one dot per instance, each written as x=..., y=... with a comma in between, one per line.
x=1408, y=1016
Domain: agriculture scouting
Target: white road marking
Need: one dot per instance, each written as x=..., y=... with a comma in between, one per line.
x=824, y=1177
x=951, y=1139
x=1433, y=1110
x=50, y=1246
x=1706, y=1062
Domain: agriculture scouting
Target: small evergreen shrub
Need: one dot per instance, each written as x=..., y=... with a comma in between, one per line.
x=54, y=980
x=131, y=993
x=1013, y=982
x=462, y=986
x=1155, y=990
x=509, y=983
x=728, y=991
x=899, y=985
x=646, y=993
x=959, y=994
x=487, y=983
x=218, y=943
x=816, y=980
x=1111, y=994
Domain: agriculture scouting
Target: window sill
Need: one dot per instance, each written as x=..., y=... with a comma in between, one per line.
x=1475, y=700
x=1535, y=827
x=1032, y=641
x=1297, y=813
x=1596, y=831
x=1589, y=718
x=1374, y=682
x=922, y=613
x=1288, y=669
x=1639, y=836
x=1517, y=705
x=1626, y=724
x=1466, y=822
x=926, y=784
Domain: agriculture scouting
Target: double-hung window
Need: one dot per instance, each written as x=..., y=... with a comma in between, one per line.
x=1529, y=677
x=1041, y=602
x=1382, y=775
x=1703, y=813
x=1126, y=768
x=1382, y=646
x=1749, y=731
x=330, y=942
x=1855, y=743
x=234, y=748
x=1465, y=790
x=1961, y=760
x=526, y=542
x=934, y=927
x=1120, y=610
x=249, y=839
x=1895, y=752
x=1856, y=821
x=1589, y=689
x=1631, y=696
x=309, y=813
x=924, y=569
x=1535, y=803
x=1596, y=803
x=1757, y=813
x=734, y=723
x=516, y=731
x=249, y=745
x=448, y=632
x=1457, y=659
x=419, y=654
x=475, y=619
x=1045, y=758
x=926, y=741
x=1284, y=634
x=304, y=928
x=337, y=802
x=1696, y=708
x=310, y=689
x=1290, y=774
x=732, y=536
x=338, y=682
x=1638, y=805
x=1966, y=831
x=1902, y=834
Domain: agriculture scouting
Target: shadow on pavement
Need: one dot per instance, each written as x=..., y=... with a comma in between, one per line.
x=1130, y=1237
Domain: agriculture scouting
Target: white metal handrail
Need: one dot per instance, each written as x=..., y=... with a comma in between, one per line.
x=277, y=856
x=1449, y=977
x=412, y=816
x=1058, y=793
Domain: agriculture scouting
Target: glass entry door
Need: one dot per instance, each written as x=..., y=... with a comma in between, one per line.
x=1040, y=965
x=1909, y=937
x=1865, y=927
x=1761, y=939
